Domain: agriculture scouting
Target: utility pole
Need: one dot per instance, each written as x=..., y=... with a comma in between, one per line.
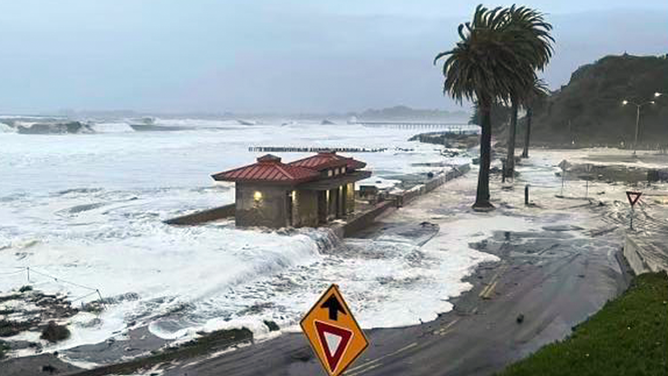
x=635, y=141
x=638, y=107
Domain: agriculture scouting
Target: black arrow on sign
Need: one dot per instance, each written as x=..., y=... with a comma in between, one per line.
x=334, y=307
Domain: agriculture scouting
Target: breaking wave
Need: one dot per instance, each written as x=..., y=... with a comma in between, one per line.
x=79, y=191
x=4, y=128
x=112, y=128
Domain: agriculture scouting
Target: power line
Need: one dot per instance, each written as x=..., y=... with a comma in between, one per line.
x=16, y=272
x=27, y=269
x=61, y=280
x=83, y=297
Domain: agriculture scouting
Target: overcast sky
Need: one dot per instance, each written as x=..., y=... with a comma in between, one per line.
x=273, y=55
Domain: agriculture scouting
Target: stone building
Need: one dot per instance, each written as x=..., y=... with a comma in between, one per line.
x=307, y=192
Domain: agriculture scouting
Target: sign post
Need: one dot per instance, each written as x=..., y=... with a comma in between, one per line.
x=333, y=333
x=564, y=165
x=588, y=168
x=633, y=198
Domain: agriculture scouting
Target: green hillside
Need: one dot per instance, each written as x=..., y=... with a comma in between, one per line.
x=589, y=109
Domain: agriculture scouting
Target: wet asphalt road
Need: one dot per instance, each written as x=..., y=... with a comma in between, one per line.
x=555, y=279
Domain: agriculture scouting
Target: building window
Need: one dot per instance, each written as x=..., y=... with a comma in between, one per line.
x=330, y=173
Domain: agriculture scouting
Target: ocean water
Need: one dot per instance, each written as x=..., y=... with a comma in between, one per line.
x=88, y=209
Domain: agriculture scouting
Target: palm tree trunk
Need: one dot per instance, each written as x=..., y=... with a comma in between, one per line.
x=512, y=131
x=482, y=195
x=527, y=135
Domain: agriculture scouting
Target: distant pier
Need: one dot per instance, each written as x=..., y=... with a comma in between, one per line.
x=295, y=149
x=460, y=128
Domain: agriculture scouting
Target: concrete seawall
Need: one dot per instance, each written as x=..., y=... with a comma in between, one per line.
x=404, y=198
x=397, y=200
x=359, y=222
x=204, y=216
x=364, y=220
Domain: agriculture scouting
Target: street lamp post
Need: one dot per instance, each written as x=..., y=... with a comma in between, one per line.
x=638, y=106
x=656, y=95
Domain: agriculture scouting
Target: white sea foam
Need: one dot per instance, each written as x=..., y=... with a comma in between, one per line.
x=88, y=210
x=4, y=128
x=116, y=127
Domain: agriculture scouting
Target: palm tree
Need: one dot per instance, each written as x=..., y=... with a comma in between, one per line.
x=500, y=116
x=538, y=92
x=486, y=65
x=530, y=27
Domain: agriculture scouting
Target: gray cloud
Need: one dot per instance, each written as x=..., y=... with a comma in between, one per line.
x=269, y=55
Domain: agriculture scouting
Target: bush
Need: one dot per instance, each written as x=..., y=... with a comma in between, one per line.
x=54, y=332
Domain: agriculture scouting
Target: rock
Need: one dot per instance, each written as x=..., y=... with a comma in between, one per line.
x=12, y=328
x=271, y=325
x=302, y=356
x=327, y=122
x=25, y=288
x=50, y=369
x=19, y=345
x=91, y=324
x=54, y=332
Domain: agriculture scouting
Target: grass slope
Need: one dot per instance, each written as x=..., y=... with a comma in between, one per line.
x=628, y=336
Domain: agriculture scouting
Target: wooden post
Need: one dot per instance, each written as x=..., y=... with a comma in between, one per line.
x=563, y=176
x=503, y=171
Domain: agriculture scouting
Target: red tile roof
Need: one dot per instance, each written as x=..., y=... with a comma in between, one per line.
x=268, y=168
x=325, y=160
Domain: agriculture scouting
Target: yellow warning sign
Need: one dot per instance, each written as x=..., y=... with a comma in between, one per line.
x=333, y=333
